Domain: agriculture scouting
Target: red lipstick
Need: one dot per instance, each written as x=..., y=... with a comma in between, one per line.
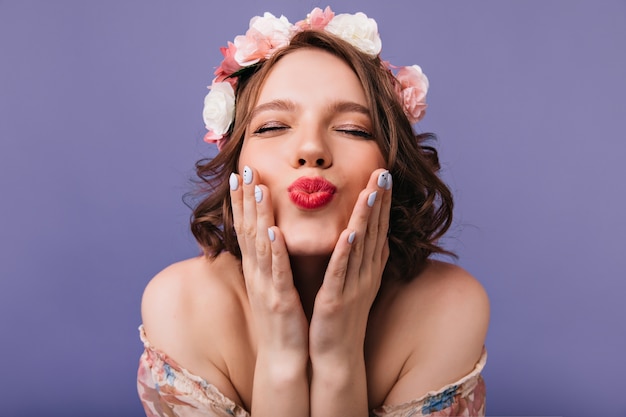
x=311, y=192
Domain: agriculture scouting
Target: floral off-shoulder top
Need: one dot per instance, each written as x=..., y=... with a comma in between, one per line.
x=169, y=390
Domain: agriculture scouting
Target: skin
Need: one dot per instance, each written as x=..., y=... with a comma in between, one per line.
x=291, y=329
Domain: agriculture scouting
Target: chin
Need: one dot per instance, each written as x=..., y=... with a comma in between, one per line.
x=314, y=245
x=310, y=236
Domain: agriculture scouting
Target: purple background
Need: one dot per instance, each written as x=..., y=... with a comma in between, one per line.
x=100, y=124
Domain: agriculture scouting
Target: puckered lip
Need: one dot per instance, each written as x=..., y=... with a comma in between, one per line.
x=311, y=192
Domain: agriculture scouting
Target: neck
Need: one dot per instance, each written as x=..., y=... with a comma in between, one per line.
x=308, y=276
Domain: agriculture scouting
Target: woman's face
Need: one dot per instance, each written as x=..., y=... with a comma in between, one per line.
x=310, y=141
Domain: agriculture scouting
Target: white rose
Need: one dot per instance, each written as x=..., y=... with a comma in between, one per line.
x=249, y=50
x=358, y=30
x=277, y=31
x=219, y=108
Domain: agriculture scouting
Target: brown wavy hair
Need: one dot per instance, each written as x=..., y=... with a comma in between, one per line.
x=421, y=208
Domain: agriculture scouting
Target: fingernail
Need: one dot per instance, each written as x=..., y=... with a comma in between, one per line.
x=247, y=175
x=271, y=234
x=233, y=181
x=351, y=237
x=258, y=194
x=371, y=199
x=382, y=179
x=389, y=182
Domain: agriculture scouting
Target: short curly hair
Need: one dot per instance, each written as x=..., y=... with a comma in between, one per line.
x=422, y=205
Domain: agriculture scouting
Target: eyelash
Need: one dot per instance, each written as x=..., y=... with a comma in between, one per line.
x=269, y=128
x=276, y=127
x=356, y=132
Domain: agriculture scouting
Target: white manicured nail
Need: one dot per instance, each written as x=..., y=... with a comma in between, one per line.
x=258, y=194
x=389, y=182
x=271, y=234
x=382, y=179
x=371, y=199
x=233, y=181
x=247, y=175
x=351, y=237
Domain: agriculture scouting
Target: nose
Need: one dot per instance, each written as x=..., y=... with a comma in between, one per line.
x=312, y=150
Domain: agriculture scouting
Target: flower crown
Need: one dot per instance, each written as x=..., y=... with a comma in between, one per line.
x=268, y=33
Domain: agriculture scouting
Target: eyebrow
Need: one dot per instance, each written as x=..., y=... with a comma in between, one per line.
x=290, y=106
x=279, y=105
x=348, y=107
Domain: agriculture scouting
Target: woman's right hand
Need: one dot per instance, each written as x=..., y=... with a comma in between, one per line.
x=281, y=328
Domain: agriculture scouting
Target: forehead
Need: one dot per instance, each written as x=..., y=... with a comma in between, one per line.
x=311, y=74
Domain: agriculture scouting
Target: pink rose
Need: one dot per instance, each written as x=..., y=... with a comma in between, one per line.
x=229, y=65
x=277, y=28
x=317, y=19
x=266, y=34
x=250, y=48
x=414, y=86
x=219, y=140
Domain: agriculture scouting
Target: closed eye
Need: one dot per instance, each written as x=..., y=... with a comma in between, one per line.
x=270, y=127
x=356, y=132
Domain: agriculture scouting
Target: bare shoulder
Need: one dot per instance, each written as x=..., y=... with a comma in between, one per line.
x=451, y=291
x=193, y=311
x=445, y=297
x=183, y=301
x=446, y=310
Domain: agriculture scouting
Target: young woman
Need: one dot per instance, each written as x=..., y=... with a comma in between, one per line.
x=315, y=294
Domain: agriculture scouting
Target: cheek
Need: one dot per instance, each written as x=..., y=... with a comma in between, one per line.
x=260, y=159
x=364, y=160
x=244, y=159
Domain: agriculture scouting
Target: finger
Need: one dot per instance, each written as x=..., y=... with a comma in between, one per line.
x=236, y=203
x=348, y=253
x=264, y=219
x=364, y=221
x=249, y=227
x=373, y=239
x=384, y=255
x=282, y=276
x=383, y=222
x=335, y=277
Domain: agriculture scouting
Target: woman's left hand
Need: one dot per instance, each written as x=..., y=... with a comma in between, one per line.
x=352, y=279
x=342, y=305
